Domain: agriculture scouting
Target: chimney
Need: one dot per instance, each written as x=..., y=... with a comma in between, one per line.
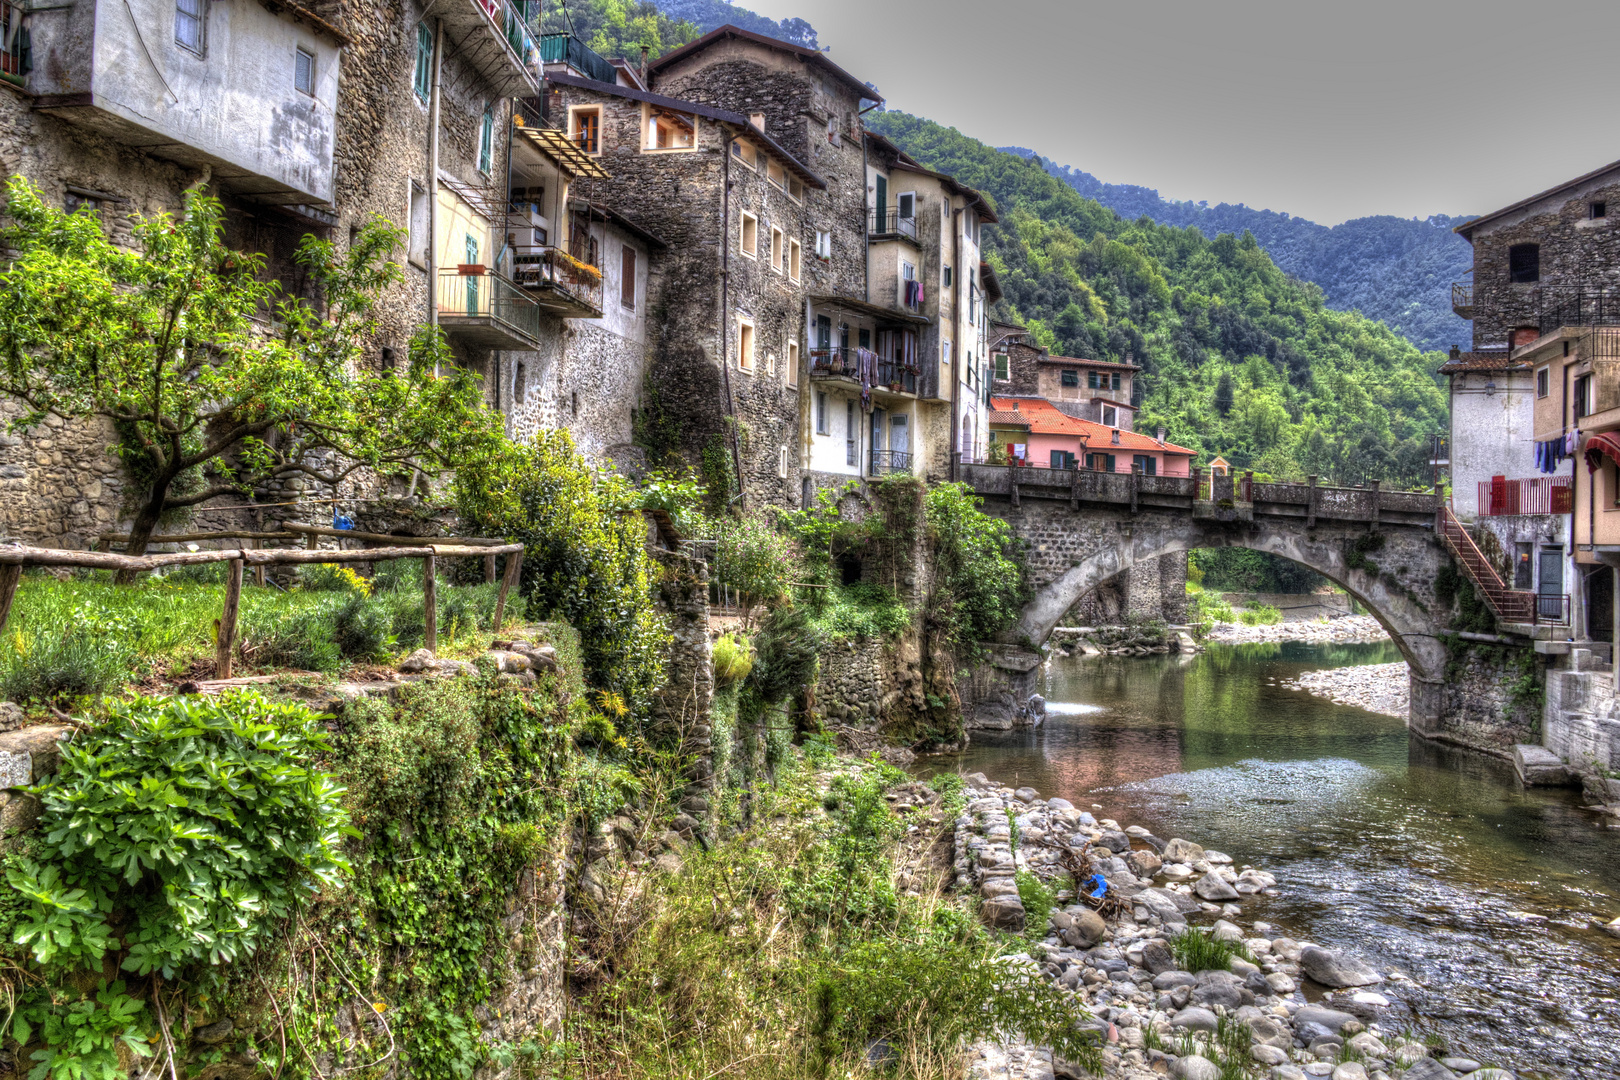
x=644, y=65
x=1116, y=436
x=1454, y=352
x=1161, y=435
x=756, y=121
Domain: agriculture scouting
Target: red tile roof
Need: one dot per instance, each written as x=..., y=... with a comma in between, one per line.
x=1044, y=419
x=1078, y=361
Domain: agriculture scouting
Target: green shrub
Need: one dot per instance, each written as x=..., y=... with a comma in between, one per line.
x=362, y=629
x=1037, y=898
x=57, y=665
x=733, y=659
x=754, y=560
x=861, y=611
x=1260, y=615
x=398, y=575
x=330, y=577
x=196, y=574
x=585, y=559
x=297, y=637
x=978, y=566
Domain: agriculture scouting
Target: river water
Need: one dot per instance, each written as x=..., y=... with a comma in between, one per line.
x=1432, y=861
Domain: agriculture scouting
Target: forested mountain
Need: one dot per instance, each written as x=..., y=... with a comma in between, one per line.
x=1240, y=359
x=622, y=27
x=709, y=14
x=1389, y=268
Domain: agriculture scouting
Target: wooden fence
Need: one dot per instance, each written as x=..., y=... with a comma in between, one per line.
x=428, y=549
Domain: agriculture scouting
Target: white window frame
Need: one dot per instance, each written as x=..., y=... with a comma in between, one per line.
x=301, y=53
x=795, y=260
x=745, y=344
x=823, y=244
x=770, y=364
x=793, y=365
x=900, y=201
x=649, y=127
x=744, y=223
x=821, y=413
x=782, y=463
x=201, y=15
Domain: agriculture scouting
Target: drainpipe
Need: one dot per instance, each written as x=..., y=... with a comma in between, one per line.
x=725, y=307
x=433, y=176
x=956, y=320
x=866, y=248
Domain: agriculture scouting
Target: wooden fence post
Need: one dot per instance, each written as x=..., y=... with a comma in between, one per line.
x=225, y=636
x=10, y=574
x=430, y=607
x=514, y=566
x=489, y=569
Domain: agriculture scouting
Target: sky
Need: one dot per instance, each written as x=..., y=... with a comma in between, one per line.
x=1325, y=111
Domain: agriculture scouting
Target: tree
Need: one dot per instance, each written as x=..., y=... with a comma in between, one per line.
x=1223, y=394
x=168, y=342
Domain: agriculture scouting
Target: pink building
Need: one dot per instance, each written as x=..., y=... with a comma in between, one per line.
x=1038, y=434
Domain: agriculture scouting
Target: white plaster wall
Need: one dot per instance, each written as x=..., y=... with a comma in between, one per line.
x=1491, y=434
x=828, y=453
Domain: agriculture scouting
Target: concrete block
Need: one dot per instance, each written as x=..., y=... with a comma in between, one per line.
x=1539, y=767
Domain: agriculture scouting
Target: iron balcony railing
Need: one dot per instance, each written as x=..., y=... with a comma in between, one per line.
x=1462, y=298
x=511, y=19
x=1577, y=305
x=886, y=221
x=1510, y=605
x=890, y=462
x=476, y=292
x=568, y=49
x=554, y=268
x=841, y=362
x=1538, y=495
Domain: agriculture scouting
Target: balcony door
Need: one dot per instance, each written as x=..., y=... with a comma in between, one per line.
x=899, y=439
x=880, y=221
x=472, y=280
x=1550, y=582
x=879, y=436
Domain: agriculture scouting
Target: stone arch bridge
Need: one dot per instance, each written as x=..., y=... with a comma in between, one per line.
x=1084, y=527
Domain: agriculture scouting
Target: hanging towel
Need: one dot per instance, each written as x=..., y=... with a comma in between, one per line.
x=1572, y=443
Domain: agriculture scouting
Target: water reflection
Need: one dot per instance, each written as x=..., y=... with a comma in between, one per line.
x=1432, y=859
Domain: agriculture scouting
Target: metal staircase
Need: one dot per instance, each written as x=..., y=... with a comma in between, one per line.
x=1510, y=605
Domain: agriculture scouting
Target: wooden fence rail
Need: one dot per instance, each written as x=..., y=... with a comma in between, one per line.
x=13, y=559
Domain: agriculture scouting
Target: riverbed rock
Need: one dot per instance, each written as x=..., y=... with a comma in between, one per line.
x=1026, y=794
x=1086, y=930
x=1225, y=931
x=1612, y=928
x=1332, y=968
x=1428, y=1069
x=1157, y=959
x=1268, y=1055
x=1195, y=1067
x=1194, y=1018
x=1350, y=1070
x=1269, y=1031
x=1331, y=1019
x=1213, y=888
x=1004, y=913
x=1281, y=983
x=1182, y=851
x=1144, y=864
x=1460, y=1064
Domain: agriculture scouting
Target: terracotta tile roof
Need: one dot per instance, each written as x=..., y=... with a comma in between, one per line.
x=1073, y=361
x=1481, y=361
x=1044, y=419
x=1009, y=419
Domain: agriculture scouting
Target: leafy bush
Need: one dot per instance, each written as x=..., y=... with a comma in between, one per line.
x=585, y=559
x=733, y=659
x=145, y=859
x=1260, y=615
x=979, y=574
x=755, y=560
x=1037, y=897
x=1197, y=949
x=861, y=611
x=330, y=577
x=283, y=637
x=361, y=628
x=196, y=574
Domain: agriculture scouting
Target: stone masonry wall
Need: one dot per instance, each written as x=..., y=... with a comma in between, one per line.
x=852, y=682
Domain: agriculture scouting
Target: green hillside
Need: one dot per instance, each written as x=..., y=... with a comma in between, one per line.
x=1239, y=359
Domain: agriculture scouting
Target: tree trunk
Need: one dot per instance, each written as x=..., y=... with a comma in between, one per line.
x=145, y=523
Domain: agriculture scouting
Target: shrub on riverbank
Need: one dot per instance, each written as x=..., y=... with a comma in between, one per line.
x=1260, y=615
x=1197, y=949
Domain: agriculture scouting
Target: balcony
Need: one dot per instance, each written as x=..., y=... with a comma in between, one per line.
x=569, y=50
x=891, y=462
x=887, y=223
x=1577, y=305
x=479, y=306
x=494, y=38
x=559, y=282
x=1502, y=497
x=835, y=362
x=1462, y=299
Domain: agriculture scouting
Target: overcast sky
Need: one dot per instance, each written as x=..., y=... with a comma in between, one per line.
x=1324, y=110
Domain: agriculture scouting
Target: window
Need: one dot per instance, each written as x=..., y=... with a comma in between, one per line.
x=1091, y=380
x=1524, y=263
x=585, y=128
x=418, y=226
x=945, y=352
x=1072, y=378
x=778, y=250
x=520, y=384
x=823, y=244
x=793, y=365
x=422, y=81
x=1003, y=367
x=775, y=173
x=1062, y=459
x=795, y=188
x=745, y=345
x=668, y=130
x=1541, y=383
x=74, y=201
x=947, y=275
x=743, y=152
x=1100, y=462
x=850, y=432
x=770, y=364
x=821, y=413
x=1110, y=416
x=1148, y=465
x=906, y=204
x=832, y=130
x=627, y=277
x=1115, y=382
x=189, y=24
x=486, y=142
x=748, y=237
x=304, y=72
x=782, y=463
x=1597, y=209
x=1523, y=569
x=1583, y=396
x=795, y=258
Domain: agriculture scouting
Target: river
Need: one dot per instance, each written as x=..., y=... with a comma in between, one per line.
x=1426, y=859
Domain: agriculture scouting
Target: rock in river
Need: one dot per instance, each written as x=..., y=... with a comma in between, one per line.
x=1332, y=968
x=1213, y=887
x=1194, y=1019
x=1194, y=1067
x=1428, y=1069
x=1182, y=851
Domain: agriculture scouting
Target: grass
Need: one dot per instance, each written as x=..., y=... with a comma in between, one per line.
x=786, y=951
x=1196, y=949
x=858, y=611
x=1260, y=615
x=88, y=636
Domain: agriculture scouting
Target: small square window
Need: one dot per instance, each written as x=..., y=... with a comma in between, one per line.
x=1003, y=367
x=304, y=71
x=1598, y=209
x=745, y=346
x=821, y=413
x=1524, y=263
x=190, y=24
x=748, y=238
x=947, y=276
x=823, y=244
x=1541, y=383
x=1071, y=378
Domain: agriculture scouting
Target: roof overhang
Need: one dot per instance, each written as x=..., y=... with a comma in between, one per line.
x=871, y=310
x=557, y=146
x=809, y=56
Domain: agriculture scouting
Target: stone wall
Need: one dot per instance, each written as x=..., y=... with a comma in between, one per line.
x=1580, y=722
x=682, y=707
x=1479, y=708
x=853, y=680
x=1154, y=589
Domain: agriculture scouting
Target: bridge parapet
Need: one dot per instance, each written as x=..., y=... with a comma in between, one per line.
x=1219, y=497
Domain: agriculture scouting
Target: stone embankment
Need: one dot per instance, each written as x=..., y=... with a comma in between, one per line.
x=1153, y=1017
x=1379, y=688
x=1145, y=640
x=1350, y=629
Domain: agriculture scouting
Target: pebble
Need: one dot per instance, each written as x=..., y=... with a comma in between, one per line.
x=1378, y=688
x=1345, y=629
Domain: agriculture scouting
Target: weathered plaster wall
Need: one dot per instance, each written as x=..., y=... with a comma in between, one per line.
x=1492, y=433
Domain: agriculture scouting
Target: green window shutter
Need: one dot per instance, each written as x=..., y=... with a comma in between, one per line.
x=424, y=61
x=486, y=141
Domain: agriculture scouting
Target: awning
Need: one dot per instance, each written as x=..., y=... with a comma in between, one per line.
x=1598, y=447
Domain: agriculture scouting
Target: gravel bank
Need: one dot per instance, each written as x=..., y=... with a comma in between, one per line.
x=1379, y=688
x=1153, y=1018
x=1348, y=630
